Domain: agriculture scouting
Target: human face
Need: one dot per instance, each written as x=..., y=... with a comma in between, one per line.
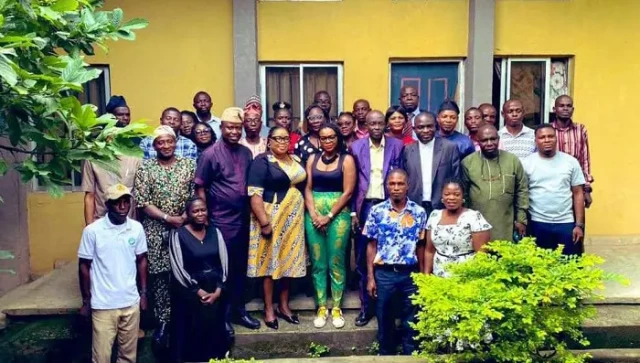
x=488, y=139
x=328, y=139
x=360, y=110
x=315, y=120
x=409, y=98
x=452, y=197
x=252, y=123
x=346, y=125
x=231, y=132
x=202, y=103
x=283, y=119
x=202, y=134
x=197, y=212
x=172, y=119
x=546, y=141
x=119, y=209
x=448, y=120
x=513, y=113
x=279, y=142
x=165, y=146
x=375, y=124
x=123, y=115
x=397, y=187
x=187, y=125
x=563, y=108
x=396, y=123
x=324, y=101
x=473, y=120
x=488, y=114
x=425, y=128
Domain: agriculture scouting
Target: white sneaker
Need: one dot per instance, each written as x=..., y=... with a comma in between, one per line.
x=321, y=319
x=337, y=318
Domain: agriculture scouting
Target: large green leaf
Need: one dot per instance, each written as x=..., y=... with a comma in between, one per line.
x=134, y=24
x=3, y=167
x=7, y=73
x=65, y=5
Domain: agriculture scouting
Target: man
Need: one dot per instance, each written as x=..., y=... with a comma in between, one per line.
x=410, y=101
x=496, y=186
x=185, y=148
x=221, y=180
x=395, y=230
x=360, y=109
x=117, y=106
x=323, y=99
x=252, y=122
x=112, y=256
x=202, y=105
x=556, y=194
x=448, y=121
x=488, y=113
x=375, y=156
x=429, y=163
x=515, y=137
x=572, y=140
x=472, y=121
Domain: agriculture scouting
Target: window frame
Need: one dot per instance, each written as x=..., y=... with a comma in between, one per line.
x=35, y=187
x=461, y=84
x=338, y=103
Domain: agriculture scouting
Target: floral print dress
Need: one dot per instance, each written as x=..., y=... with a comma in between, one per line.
x=453, y=241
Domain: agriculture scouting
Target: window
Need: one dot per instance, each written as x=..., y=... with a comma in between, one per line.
x=537, y=82
x=297, y=84
x=97, y=93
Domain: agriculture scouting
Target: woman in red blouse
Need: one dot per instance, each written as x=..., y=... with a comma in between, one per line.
x=395, y=119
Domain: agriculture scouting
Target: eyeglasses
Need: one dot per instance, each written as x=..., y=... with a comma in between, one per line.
x=203, y=132
x=315, y=118
x=281, y=139
x=252, y=120
x=328, y=138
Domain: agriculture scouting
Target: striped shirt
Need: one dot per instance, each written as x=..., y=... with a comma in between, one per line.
x=573, y=141
x=521, y=145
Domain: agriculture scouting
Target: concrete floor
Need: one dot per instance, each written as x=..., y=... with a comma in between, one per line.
x=58, y=293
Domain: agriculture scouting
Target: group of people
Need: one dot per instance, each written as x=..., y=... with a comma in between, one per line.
x=222, y=200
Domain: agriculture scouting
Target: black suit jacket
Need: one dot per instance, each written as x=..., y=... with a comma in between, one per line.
x=446, y=165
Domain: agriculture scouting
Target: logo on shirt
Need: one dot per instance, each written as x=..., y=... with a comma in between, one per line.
x=131, y=241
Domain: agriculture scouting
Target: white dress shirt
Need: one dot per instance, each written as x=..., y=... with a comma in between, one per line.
x=426, y=164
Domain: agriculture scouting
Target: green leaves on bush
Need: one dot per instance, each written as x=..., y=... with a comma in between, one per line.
x=42, y=68
x=509, y=305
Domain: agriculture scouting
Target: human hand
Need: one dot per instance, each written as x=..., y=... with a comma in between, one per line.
x=587, y=199
x=143, y=302
x=372, y=288
x=355, y=225
x=578, y=234
x=175, y=221
x=266, y=230
x=85, y=310
x=322, y=222
x=521, y=228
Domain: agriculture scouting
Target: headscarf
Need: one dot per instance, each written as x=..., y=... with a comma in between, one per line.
x=115, y=102
x=233, y=115
x=163, y=130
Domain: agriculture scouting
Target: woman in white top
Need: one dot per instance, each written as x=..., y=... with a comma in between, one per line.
x=454, y=234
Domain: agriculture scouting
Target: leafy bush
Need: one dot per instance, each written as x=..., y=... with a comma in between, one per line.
x=508, y=305
x=318, y=350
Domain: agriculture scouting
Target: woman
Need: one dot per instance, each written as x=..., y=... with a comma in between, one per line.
x=282, y=118
x=473, y=120
x=330, y=184
x=310, y=143
x=203, y=137
x=396, y=119
x=252, y=124
x=199, y=264
x=448, y=121
x=347, y=124
x=276, y=243
x=454, y=234
x=189, y=120
x=162, y=185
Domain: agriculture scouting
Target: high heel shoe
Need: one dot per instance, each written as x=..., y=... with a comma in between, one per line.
x=291, y=319
x=273, y=324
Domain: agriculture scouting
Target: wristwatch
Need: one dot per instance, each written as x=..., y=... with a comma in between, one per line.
x=580, y=225
x=330, y=215
x=353, y=214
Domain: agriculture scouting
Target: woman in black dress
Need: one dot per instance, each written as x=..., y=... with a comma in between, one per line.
x=199, y=263
x=315, y=118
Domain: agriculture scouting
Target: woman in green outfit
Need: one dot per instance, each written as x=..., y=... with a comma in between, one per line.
x=330, y=184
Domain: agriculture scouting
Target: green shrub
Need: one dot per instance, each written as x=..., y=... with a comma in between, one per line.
x=318, y=350
x=508, y=305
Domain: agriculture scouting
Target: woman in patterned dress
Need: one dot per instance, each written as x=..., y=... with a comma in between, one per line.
x=454, y=234
x=162, y=186
x=276, y=244
x=315, y=117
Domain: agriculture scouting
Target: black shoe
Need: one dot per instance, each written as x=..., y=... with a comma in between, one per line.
x=292, y=319
x=231, y=333
x=363, y=319
x=248, y=322
x=273, y=324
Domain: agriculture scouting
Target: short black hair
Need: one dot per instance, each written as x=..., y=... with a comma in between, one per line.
x=274, y=129
x=190, y=201
x=281, y=105
x=321, y=92
x=449, y=105
x=168, y=109
x=544, y=126
x=190, y=114
x=397, y=171
x=311, y=107
x=347, y=113
x=454, y=181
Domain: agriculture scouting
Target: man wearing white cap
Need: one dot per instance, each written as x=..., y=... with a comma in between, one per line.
x=113, y=256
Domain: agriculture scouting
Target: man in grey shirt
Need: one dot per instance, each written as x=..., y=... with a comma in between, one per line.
x=556, y=194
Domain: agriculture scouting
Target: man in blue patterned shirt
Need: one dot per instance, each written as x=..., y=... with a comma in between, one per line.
x=185, y=148
x=396, y=230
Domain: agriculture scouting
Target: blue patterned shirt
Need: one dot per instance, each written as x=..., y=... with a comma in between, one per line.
x=185, y=148
x=397, y=233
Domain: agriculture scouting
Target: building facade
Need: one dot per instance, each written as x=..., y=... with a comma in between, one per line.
x=472, y=50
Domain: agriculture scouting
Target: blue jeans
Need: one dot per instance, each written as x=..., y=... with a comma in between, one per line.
x=550, y=235
x=388, y=284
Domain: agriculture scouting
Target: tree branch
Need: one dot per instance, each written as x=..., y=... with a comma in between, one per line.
x=23, y=151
